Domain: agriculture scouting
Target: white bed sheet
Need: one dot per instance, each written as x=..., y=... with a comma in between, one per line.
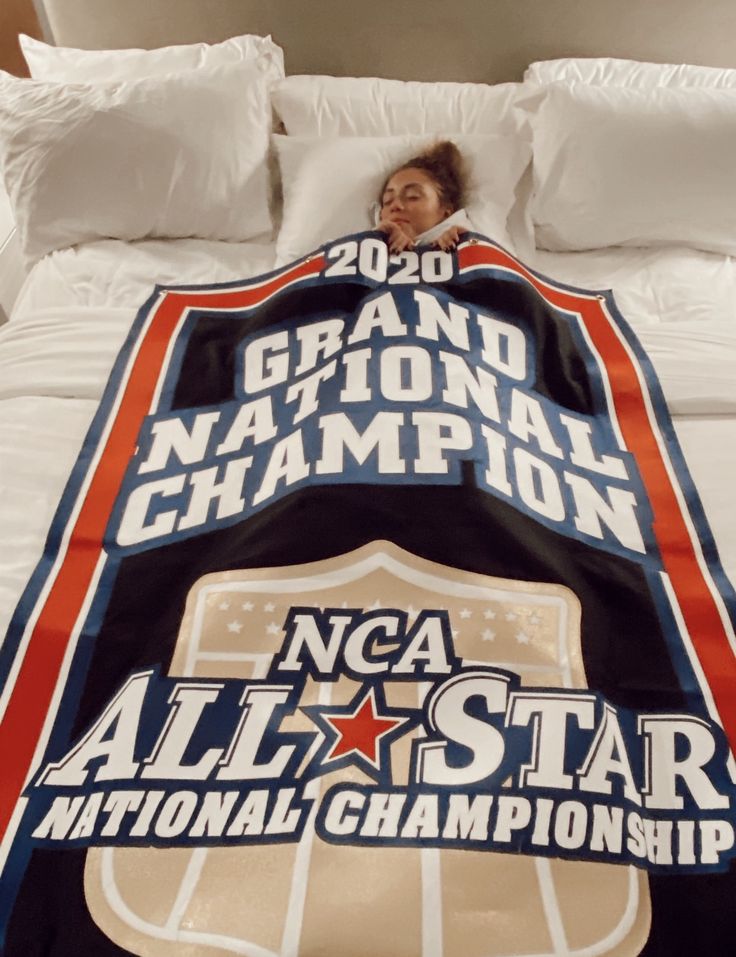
x=70, y=320
x=681, y=304
x=77, y=306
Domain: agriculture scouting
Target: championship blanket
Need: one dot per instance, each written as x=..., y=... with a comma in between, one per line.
x=379, y=617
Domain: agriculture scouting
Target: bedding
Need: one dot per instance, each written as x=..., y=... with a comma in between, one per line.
x=68, y=65
x=69, y=323
x=613, y=71
x=180, y=155
x=364, y=640
x=330, y=184
x=604, y=173
x=372, y=106
x=381, y=612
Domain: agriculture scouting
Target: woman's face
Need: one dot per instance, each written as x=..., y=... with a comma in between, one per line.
x=412, y=199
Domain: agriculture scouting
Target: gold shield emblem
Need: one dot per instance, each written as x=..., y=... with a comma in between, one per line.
x=313, y=898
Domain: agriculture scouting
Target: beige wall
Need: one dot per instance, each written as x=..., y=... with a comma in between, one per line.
x=481, y=40
x=16, y=16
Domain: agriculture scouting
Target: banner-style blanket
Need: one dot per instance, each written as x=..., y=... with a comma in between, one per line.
x=380, y=618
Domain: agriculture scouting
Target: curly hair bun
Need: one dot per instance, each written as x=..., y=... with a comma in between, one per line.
x=444, y=162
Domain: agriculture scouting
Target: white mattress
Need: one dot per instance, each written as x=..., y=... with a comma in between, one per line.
x=56, y=353
x=682, y=305
x=77, y=306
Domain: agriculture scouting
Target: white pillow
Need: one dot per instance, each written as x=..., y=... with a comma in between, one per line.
x=170, y=156
x=330, y=185
x=609, y=71
x=623, y=167
x=361, y=106
x=67, y=65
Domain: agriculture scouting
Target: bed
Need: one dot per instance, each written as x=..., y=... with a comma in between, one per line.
x=356, y=604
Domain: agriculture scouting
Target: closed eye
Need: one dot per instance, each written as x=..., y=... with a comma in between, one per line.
x=404, y=196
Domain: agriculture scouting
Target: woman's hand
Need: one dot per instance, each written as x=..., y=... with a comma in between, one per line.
x=398, y=235
x=449, y=239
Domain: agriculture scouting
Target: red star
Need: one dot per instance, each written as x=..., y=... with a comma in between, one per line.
x=360, y=731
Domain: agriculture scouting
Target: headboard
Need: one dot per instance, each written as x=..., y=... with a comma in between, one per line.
x=476, y=40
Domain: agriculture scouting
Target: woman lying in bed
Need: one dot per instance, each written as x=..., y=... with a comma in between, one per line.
x=421, y=202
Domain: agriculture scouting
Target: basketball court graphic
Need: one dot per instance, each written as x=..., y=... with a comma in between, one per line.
x=299, y=898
